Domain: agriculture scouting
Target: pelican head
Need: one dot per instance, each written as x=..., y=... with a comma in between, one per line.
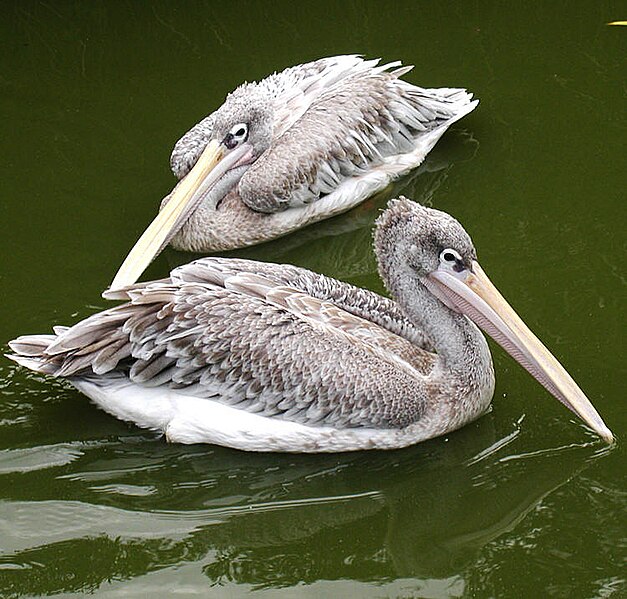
x=428, y=253
x=245, y=119
x=413, y=238
x=242, y=131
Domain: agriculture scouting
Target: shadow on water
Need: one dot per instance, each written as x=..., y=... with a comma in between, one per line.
x=270, y=521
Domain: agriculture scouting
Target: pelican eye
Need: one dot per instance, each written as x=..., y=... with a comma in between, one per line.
x=237, y=135
x=452, y=259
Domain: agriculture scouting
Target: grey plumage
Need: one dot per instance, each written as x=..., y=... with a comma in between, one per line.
x=347, y=367
x=273, y=339
x=327, y=121
x=297, y=147
x=276, y=340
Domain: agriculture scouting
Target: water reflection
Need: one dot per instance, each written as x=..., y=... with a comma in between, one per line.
x=92, y=98
x=123, y=510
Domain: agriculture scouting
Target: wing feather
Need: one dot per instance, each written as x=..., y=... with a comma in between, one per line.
x=252, y=335
x=350, y=126
x=334, y=118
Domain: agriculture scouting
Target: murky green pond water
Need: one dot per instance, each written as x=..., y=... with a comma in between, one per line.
x=523, y=503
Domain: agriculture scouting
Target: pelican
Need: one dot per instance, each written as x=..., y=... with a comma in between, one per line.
x=297, y=147
x=269, y=357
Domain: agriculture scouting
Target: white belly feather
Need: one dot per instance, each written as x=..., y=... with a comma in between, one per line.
x=188, y=419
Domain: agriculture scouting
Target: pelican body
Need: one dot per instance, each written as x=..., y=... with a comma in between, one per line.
x=268, y=357
x=301, y=145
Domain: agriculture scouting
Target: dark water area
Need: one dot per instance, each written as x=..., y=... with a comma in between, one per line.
x=525, y=502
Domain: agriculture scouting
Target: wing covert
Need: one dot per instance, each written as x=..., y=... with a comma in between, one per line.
x=352, y=127
x=246, y=340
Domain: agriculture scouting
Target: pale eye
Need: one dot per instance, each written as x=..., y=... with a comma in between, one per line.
x=451, y=259
x=237, y=135
x=239, y=132
x=450, y=256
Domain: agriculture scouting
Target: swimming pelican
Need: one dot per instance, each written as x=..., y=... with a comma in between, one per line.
x=269, y=357
x=295, y=148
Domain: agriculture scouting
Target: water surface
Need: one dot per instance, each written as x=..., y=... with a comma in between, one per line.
x=524, y=502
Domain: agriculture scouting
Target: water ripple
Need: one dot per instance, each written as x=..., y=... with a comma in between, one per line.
x=39, y=458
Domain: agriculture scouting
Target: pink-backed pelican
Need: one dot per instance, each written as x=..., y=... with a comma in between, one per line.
x=270, y=357
x=297, y=147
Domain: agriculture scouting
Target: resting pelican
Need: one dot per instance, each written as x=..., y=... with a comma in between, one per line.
x=269, y=357
x=297, y=147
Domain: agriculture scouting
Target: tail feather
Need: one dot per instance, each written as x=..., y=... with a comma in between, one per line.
x=35, y=364
x=94, y=345
x=98, y=344
x=31, y=352
x=435, y=109
x=90, y=330
x=451, y=103
x=32, y=345
x=463, y=109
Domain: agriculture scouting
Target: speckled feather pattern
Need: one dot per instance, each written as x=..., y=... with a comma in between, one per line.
x=268, y=339
x=347, y=130
x=340, y=128
x=317, y=364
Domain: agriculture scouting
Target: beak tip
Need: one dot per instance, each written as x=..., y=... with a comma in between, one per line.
x=607, y=436
x=599, y=428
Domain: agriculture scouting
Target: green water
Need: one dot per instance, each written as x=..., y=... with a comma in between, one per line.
x=523, y=503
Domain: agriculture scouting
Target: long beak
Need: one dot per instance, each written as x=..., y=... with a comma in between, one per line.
x=211, y=165
x=473, y=294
